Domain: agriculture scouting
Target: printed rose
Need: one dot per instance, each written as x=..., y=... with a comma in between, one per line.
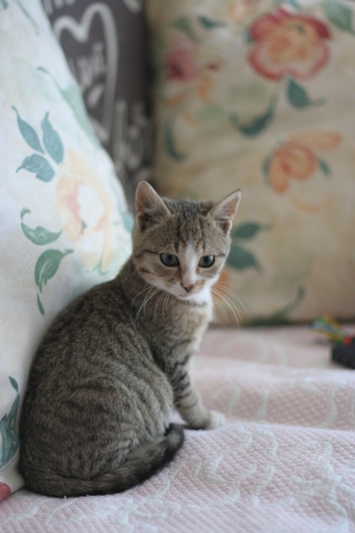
x=181, y=62
x=288, y=44
x=190, y=69
x=85, y=207
x=297, y=159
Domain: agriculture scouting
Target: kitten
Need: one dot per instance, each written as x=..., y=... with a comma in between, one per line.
x=103, y=384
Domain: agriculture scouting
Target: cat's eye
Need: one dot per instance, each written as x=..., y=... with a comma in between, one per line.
x=169, y=260
x=206, y=261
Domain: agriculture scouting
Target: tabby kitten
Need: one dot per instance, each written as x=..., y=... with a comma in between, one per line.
x=103, y=384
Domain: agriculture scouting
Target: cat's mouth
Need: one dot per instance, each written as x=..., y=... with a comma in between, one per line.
x=187, y=295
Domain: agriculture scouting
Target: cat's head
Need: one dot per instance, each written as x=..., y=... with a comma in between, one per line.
x=180, y=246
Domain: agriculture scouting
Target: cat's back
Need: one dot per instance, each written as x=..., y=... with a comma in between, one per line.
x=92, y=343
x=93, y=379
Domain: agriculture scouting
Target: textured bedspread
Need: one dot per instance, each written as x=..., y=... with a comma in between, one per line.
x=284, y=462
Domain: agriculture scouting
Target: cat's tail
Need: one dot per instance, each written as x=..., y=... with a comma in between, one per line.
x=139, y=466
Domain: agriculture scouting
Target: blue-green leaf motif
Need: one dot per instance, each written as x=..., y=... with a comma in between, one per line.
x=298, y=96
x=323, y=165
x=47, y=265
x=169, y=141
x=184, y=25
x=340, y=15
x=73, y=98
x=51, y=141
x=8, y=430
x=256, y=125
x=241, y=259
x=248, y=230
x=39, y=166
x=40, y=235
x=28, y=133
x=210, y=24
x=40, y=306
x=24, y=212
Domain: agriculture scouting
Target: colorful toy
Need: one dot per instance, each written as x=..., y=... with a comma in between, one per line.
x=343, y=350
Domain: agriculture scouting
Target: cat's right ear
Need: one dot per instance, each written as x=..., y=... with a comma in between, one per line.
x=149, y=206
x=224, y=211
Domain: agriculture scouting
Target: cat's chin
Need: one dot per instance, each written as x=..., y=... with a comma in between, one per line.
x=200, y=297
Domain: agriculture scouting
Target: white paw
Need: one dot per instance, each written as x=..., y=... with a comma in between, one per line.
x=215, y=420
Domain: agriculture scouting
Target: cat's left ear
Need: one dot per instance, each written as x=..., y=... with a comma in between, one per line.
x=224, y=211
x=149, y=206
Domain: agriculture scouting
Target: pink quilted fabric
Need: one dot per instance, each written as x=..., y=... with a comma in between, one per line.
x=284, y=462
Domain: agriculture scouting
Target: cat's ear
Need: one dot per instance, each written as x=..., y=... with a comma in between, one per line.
x=149, y=206
x=224, y=211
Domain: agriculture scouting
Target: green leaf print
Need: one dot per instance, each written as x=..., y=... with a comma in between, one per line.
x=169, y=141
x=28, y=133
x=257, y=124
x=324, y=167
x=24, y=212
x=241, y=259
x=39, y=166
x=298, y=96
x=13, y=383
x=340, y=15
x=28, y=16
x=40, y=306
x=210, y=24
x=248, y=230
x=8, y=430
x=184, y=25
x=73, y=98
x=40, y=235
x=47, y=265
x=3, y=5
x=51, y=141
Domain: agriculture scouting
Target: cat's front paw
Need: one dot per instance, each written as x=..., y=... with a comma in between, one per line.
x=215, y=420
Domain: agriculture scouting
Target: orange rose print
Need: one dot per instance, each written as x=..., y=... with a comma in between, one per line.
x=85, y=207
x=296, y=158
x=288, y=44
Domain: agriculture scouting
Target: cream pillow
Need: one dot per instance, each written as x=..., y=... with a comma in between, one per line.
x=63, y=216
x=259, y=95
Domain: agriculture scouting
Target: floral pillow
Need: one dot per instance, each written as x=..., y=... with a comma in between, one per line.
x=64, y=220
x=258, y=95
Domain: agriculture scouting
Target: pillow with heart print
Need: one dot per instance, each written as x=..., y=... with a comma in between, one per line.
x=105, y=47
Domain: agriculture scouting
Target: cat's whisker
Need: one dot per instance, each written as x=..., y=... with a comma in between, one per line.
x=230, y=304
x=221, y=287
x=234, y=295
x=166, y=300
x=156, y=303
x=136, y=296
x=221, y=308
x=150, y=289
x=149, y=297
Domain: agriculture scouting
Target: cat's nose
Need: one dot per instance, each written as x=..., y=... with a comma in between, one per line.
x=188, y=288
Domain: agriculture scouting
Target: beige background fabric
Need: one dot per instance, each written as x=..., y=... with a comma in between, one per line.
x=259, y=95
